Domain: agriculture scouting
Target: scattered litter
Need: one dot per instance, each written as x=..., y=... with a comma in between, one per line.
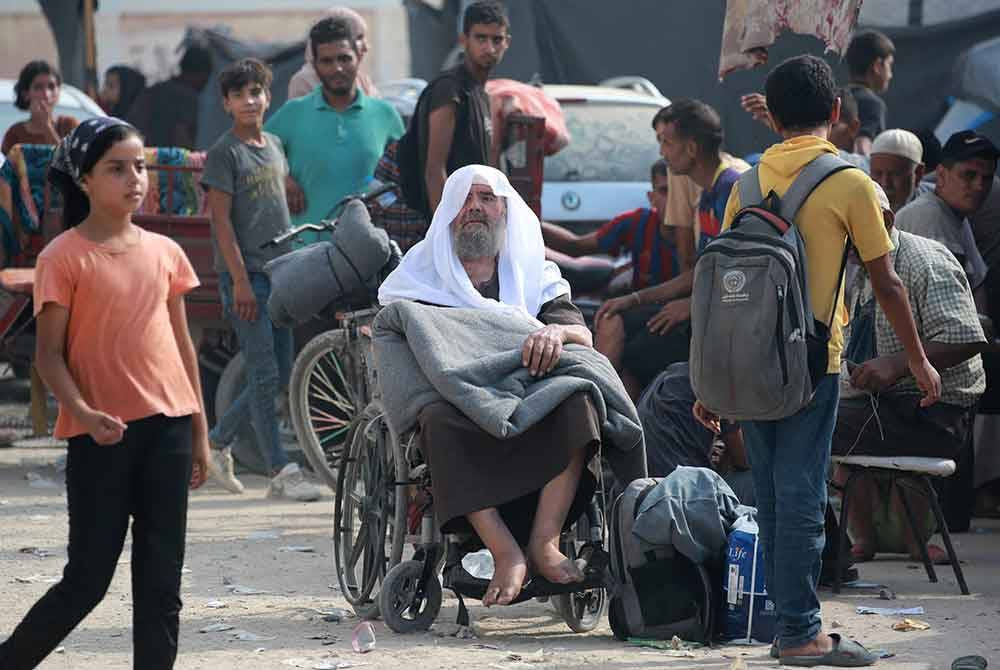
x=491, y=647
x=37, y=481
x=531, y=657
x=334, y=615
x=37, y=552
x=247, y=636
x=313, y=664
x=37, y=579
x=319, y=636
x=363, y=638
x=891, y=611
x=479, y=564
x=882, y=653
x=673, y=647
x=454, y=630
x=886, y=594
x=216, y=604
x=216, y=628
x=60, y=650
x=907, y=625
x=40, y=517
x=264, y=535
x=240, y=590
x=186, y=571
x=836, y=624
x=4, y=502
x=858, y=584
x=260, y=650
x=299, y=549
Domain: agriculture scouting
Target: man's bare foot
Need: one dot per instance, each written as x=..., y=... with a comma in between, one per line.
x=818, y=646
x=550, y=563
x=509, y=573
x=937, y=555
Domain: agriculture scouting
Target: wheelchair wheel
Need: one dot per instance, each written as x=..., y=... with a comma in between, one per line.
x=369, y=514
x=584, y=610
x=402, y=610
x=322, y=401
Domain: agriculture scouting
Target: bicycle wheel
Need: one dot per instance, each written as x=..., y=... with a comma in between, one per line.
x=369, y=514
x=322, y=401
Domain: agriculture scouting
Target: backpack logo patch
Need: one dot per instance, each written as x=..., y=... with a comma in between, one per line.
x=734, y=282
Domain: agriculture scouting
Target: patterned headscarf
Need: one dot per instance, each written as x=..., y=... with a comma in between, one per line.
x=69, y=154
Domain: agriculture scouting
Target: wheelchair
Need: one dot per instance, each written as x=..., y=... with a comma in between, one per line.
x=384, y=513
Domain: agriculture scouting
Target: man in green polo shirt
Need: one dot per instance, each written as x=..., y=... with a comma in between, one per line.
x=334, y=136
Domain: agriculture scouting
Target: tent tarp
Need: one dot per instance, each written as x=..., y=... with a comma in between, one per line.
x=676, y=45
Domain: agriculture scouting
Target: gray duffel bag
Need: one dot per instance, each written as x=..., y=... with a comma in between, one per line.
x=348, y=267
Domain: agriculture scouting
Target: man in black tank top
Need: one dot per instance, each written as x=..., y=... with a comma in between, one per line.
x=453, y=114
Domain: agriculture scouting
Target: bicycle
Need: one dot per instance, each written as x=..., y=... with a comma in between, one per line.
x=334, y=408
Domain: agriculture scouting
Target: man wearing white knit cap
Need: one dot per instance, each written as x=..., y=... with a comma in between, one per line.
x=897, y=165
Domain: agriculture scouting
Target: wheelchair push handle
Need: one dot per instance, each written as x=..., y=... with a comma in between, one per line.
x=328, y=224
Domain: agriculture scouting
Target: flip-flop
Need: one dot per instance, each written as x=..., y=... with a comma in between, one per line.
x=845, y=654
x=969, y=663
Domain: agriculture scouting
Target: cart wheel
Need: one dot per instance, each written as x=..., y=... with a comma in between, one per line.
x=369, y=513
x=399, y=591
x=322, y=402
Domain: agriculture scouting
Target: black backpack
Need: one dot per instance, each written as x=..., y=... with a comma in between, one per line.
x=661, y=593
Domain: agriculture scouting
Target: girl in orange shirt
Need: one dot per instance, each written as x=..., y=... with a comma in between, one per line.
x=113, y=346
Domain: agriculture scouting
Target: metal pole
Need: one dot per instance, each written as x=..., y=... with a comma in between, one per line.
x=90, y=49
x=916, y=17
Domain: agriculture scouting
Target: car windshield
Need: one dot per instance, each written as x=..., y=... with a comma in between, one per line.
x=609, y=142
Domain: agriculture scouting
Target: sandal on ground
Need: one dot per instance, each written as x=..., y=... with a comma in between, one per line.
x=969, y=663
x=845, y=654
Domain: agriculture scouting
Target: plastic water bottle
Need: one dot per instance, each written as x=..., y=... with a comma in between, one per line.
x=363, y=638
x=748, y=612
x=480, y=564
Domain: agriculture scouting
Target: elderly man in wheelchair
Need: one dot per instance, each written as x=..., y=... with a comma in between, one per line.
x=480, y=351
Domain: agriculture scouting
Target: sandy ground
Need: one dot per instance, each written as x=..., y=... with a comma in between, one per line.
x=298, y=585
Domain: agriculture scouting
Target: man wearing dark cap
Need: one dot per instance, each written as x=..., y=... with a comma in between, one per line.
x=167, y=113
x=964, y=179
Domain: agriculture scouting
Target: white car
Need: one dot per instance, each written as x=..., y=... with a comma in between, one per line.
x=605, y=169
x=72, y=102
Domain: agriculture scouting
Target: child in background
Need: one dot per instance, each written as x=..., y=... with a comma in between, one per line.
x=113, y=346
x=245, y=179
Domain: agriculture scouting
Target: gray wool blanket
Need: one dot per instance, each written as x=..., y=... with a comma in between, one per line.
x=472, y=359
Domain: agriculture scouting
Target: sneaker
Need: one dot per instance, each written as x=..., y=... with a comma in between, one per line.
x=220, y=468
x=291, y=483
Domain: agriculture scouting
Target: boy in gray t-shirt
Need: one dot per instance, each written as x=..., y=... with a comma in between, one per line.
x=244, y=177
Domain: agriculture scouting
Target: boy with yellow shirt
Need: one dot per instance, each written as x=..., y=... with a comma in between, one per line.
x=789, y=458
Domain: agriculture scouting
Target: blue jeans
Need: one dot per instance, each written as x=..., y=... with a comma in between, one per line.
x=789, y=461
x=267, y=353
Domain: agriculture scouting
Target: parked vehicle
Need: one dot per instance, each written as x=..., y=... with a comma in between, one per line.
x=605, y=169
x=72, y=102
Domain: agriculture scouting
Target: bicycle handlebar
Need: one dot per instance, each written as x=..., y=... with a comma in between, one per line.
x=328, y=223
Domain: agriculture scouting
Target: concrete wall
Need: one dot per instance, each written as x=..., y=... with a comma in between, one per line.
x=148, y=40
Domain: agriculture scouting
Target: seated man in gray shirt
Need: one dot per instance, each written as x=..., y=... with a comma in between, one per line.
x=964, y=179
x=880, y=412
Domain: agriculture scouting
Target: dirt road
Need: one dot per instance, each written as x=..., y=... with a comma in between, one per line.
x=244, y=540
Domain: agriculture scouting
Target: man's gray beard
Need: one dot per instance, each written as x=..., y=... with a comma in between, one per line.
x=479, y=243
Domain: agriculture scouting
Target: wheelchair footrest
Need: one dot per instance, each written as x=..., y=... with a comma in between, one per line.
x=596, y=576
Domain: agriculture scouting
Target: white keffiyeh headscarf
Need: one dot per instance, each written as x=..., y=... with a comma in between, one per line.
x=431, y=271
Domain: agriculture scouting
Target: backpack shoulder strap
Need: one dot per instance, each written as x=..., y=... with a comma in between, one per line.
x=811, y=176
x=749, y=184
